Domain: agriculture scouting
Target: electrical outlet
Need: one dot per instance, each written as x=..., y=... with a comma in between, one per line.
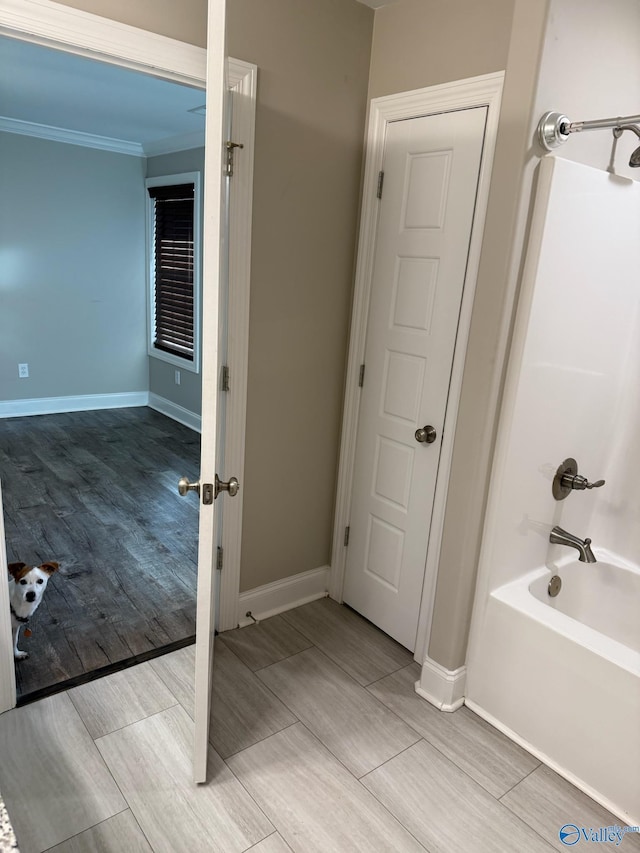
x=177, y=377
x=23, y=371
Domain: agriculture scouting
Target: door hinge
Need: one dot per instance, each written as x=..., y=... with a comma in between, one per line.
x=347, y=531
x=228, y=156
x=361, y=376
x=225, y=377
x=220, y=558
x=380, y=183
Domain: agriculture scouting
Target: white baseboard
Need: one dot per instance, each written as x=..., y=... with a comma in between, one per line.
x=274, y=598
x=175, y=412
x=444, y=688
x=83, y=403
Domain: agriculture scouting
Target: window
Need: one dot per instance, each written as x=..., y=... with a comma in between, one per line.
x=174, y=269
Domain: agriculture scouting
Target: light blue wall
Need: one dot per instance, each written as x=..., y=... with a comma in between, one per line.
x=161, y=374
x=72, y=270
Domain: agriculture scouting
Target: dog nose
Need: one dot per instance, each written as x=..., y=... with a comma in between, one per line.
x=30, y=596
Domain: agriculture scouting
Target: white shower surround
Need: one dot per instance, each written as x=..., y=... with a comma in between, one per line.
x=572, y=390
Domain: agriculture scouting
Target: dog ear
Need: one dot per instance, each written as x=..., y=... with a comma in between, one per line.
x=50, y=567
x=15, y=568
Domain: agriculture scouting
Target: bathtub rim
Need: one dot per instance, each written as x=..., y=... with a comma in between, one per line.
x=517, y=594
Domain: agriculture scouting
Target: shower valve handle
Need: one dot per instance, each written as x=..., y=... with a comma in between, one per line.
x=576, y=481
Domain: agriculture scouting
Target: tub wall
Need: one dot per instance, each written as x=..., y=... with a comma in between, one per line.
x=574, y=394
x=569, y=390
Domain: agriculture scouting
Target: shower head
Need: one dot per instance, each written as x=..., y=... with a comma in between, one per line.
x=634, y=160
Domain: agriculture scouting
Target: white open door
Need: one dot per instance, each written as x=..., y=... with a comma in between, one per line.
x=212, y=257
x=105, y=40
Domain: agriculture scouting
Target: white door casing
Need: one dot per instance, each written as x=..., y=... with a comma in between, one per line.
x=242, y=78
x=431, y=168
x=482, y=91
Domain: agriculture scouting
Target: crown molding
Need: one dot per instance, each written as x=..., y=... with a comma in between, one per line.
x=71, y=137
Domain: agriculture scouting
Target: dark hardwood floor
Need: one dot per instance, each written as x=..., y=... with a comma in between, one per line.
x=97, y=493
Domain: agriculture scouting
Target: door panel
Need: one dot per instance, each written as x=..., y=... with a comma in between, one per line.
x=431, y=168
x=212, y=231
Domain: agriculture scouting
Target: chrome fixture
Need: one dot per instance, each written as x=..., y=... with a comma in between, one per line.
x=555, y=585
x=555, y=128
x=567, y=480
x=558, y=536
x=426, y=435
x=232, y=487
x=634, y=160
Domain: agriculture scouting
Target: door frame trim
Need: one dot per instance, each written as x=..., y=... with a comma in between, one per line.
x=84, y=34
x=485, y=90
x=242, y=78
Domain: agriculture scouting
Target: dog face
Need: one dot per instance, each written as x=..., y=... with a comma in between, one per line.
x=30, y=582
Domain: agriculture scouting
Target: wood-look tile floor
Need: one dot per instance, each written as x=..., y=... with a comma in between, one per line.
x=97, y=492
x=308, y=753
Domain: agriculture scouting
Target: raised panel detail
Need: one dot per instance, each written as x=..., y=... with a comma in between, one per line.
x=392, y=472
x=414, y=293
x=426, y=188
x=384, y=551
x=402, y=385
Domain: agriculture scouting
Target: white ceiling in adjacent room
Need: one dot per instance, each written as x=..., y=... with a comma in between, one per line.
x=51, y=89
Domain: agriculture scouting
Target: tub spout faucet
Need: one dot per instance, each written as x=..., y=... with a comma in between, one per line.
x=559, y=536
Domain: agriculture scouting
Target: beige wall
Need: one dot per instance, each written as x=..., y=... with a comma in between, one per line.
x=185, y=20
x=313, y=59
x=492, y=318
x=420, y=43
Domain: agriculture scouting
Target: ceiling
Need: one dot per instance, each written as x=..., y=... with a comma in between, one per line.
x=42, y=89
x=57, y=95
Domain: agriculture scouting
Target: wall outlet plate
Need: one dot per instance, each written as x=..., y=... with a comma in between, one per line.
x=23, y=371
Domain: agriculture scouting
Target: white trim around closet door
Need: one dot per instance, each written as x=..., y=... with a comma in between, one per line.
x=462, y=94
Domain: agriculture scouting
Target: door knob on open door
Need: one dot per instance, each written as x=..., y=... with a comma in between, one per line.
x=232, y=486
x=426, y=435
x=184, y=486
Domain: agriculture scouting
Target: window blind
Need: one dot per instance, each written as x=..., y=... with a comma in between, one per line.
x=174, y=254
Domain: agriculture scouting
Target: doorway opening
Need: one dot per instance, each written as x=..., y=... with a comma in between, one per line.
x=89, y=469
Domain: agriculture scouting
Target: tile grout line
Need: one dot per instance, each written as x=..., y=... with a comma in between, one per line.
x=266, y=666
x=517, y=816
x=108, y=769
x=93, y=826
x=448, y=758
x=276, y=828
x=496, y=799
x=357, y=684
x=519, y=782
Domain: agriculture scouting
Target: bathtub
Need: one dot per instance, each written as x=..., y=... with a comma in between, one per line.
x=561, y=675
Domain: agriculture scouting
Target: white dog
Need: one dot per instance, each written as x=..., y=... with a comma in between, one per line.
x=26, y=588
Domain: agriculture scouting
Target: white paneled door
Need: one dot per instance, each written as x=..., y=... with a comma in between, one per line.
x=431, y=170
x=213, y=262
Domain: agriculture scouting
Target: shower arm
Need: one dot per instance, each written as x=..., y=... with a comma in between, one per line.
x=555, y=128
